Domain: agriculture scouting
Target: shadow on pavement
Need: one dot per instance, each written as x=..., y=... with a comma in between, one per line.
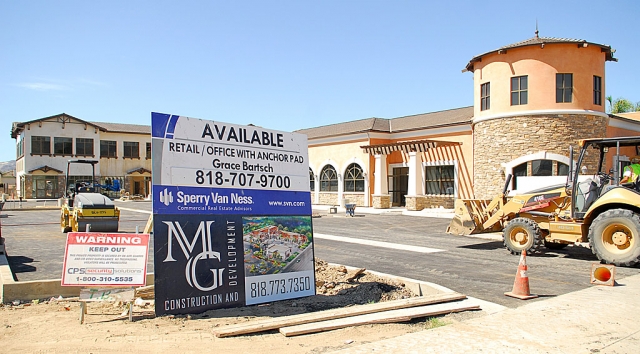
x=493, y=245
x=20, y=264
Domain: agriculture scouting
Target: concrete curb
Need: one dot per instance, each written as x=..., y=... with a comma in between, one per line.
x=423, y=288
x=34, y=289
x=41, y=289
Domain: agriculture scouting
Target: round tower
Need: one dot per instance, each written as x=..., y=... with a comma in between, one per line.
x=532, y=100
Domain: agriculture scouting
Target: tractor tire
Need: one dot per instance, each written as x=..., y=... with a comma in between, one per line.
x=614, y=236
x=555, y=245
x=522, y=234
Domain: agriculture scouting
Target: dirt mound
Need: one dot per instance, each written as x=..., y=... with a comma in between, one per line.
x=52, y=325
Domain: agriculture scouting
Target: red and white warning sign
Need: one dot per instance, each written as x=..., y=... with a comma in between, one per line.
x=105, y=259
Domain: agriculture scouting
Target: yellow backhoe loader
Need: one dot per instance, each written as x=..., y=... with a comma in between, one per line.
x=82, y=205
x=590, y=207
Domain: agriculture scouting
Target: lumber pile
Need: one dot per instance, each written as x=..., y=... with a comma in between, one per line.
x=382, y=312
x=145, y=292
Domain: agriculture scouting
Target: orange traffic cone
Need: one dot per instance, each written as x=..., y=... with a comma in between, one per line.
x=521, y=284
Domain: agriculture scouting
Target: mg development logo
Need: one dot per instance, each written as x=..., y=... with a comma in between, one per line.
x=166, y=197
x=188, y=247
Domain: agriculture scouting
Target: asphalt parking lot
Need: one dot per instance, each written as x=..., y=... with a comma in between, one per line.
x=35, y=244
x=406, y=246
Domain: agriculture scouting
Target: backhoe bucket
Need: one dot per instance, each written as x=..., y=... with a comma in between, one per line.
x=469, y=217
x=462, y=222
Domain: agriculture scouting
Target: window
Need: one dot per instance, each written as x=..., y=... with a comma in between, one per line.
x=107, y=148
x=564, y=90
x=63, y=146
x=597, y=90
x=84, y=147
x=45, y=187
x=131, y=149
x=148, y=151
x=328, y=179
x=20, y=148
x=40, y=145
x=312, y=181
x=519, y=87
x=485, y=99
x=353, y=179
x=440, y=179
x=539, y=168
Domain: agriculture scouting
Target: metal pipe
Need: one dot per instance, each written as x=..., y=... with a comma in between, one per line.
x=506, y=184
x=540, y=213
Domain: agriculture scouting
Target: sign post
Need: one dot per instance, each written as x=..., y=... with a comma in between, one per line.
x=231, y=215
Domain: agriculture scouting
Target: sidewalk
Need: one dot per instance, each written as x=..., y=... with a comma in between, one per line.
x=600, y=319
x=429, y=212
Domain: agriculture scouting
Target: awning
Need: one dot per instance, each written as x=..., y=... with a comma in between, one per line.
x=406, y=146
x=140, y=170
x=45, y=169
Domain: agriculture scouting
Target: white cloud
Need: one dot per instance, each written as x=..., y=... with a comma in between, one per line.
x=41, y=86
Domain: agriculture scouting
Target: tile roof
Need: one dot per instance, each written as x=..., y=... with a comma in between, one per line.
x=124, y=128
x=355, y=126
x=628, y=115
x=541, y=41
x=108, y=127
x=433, y=119
x=419, y=121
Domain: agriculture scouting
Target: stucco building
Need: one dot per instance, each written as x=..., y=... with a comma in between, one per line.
x=44, y=145
x=532, y=99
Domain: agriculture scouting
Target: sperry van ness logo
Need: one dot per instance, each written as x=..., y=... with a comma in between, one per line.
x=166, y=197
x=203, y=233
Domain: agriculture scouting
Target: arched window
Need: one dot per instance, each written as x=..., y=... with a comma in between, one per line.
x=312, y=181
x=540, y=168
x=353, y=179
x=328, y=179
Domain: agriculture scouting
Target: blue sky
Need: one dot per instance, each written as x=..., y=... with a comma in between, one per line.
x=283, y=65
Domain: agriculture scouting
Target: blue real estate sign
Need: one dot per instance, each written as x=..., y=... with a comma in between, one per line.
x=231, y=215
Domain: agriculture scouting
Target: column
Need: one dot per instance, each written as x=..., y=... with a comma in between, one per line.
x=381, y=197
x=316, y=191
x=415, y=196
x=381, y=181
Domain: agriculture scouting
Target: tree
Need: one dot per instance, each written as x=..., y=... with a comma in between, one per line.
x=622, y=105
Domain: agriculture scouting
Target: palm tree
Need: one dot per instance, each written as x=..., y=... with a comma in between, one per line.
x=622, y=105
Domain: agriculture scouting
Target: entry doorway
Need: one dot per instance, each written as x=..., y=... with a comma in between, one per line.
x=399, y=185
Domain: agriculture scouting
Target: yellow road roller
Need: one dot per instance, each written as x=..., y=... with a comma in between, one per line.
x=83, y=206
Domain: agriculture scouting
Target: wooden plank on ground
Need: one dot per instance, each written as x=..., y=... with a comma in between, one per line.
x=274, y=323
x=354, y=273
x=401, y=315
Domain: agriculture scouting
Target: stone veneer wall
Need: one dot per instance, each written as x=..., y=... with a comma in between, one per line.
x=328, y=198
x=414, y=202
x=331, y=198
x=382, y=201
x=419, y=202
x=502, y=140
x=27, y=193
x=357, y=198
x=436, y=201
